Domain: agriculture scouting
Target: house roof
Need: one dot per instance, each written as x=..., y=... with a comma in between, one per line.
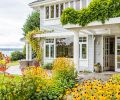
x=36, y=2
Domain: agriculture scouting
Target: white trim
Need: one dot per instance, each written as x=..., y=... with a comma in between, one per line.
x=96, y=23
x=50, y=35
x=49, y=44
x=80, y=51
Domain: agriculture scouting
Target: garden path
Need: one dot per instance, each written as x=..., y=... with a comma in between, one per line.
x=104, y=76
x=14, y=70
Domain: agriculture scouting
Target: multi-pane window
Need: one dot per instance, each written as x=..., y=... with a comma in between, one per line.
x=47, y=12
x=52, y=11
x=57, y=10
x=49, y=48
x=83, y=47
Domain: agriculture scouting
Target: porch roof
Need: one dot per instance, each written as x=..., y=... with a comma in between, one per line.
x=94, y=25
x=53, y=34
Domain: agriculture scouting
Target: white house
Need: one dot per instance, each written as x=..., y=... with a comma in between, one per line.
x=95, y=43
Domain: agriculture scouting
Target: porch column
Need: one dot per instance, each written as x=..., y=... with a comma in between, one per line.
x=27, y=52
x=76, y=50
x=30, y=52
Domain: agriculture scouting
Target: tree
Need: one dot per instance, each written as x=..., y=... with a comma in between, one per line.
x=32, y=22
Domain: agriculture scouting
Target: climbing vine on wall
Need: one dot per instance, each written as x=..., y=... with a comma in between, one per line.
x=35, y=42
x=98, y=10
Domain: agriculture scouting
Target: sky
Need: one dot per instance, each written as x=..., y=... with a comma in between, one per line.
x=13, y=14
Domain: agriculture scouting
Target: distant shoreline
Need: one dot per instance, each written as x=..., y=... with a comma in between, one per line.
x=8, y=51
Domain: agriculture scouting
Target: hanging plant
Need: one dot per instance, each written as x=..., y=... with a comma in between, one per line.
x=35, y=42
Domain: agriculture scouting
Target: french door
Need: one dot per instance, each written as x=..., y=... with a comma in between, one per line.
x=106, y=53
x=117, y=57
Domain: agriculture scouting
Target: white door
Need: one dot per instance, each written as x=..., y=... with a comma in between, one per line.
x=117, y=54
x=106, y=53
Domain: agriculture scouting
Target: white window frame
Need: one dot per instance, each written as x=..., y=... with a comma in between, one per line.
x=80, y=48
x=59, y=12
x=49, y=44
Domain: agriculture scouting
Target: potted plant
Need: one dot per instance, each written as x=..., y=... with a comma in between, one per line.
x=97, y=67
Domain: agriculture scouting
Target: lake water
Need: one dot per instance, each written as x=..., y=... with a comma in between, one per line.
x=8, y=51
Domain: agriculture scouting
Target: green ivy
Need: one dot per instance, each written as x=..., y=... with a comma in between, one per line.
x=98, y=10
x=35, y=42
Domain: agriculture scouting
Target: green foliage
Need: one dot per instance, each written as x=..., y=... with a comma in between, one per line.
x=35, y=42
x=17, y=55
x=32, y=22
x=98, y=10
x=48, y=66
x=36, y=84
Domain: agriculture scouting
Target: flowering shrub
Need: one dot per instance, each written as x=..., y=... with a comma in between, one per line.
x=95, y=90
x=35, y=72
x=64, y=68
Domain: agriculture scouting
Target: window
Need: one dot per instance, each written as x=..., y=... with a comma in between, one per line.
x=83, y=47
x=57, y=10
x=49, y=48
x=61, y=8
x=71, y=4
x=52, y=11
x=66, y=5
x=47, y=12
x=64, y=47
x=77, y=4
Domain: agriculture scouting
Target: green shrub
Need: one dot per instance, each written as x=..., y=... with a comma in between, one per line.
x=48, y=66
x=36, y=84
x=17, y=55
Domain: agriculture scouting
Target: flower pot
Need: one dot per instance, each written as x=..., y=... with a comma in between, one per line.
x=97, y=69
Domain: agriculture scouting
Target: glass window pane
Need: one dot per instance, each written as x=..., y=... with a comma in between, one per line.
x=47, y=12
x=71, y=4
x=52, y=11
x=61, y=8
x=84, y=51
x=52, y=51
x=47, y=50
x=64, y=47
x=77, y=4
x=57, y=10
x=118, y=46
x=118, y=52
x=118, y=65
x=118, y=58
x=66, y=5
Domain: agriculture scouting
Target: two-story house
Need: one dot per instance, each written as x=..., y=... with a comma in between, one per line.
x=95, y=43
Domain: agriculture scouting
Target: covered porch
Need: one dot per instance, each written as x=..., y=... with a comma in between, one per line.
x=87, y=45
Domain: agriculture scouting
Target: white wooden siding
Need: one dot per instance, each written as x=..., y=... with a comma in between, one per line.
x=98, y=49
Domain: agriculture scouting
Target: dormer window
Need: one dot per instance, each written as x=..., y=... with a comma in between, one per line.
x=52, y=11
x=47, y=12
x=57, y=10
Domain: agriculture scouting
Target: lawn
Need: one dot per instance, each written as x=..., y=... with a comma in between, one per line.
x=13, y=63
